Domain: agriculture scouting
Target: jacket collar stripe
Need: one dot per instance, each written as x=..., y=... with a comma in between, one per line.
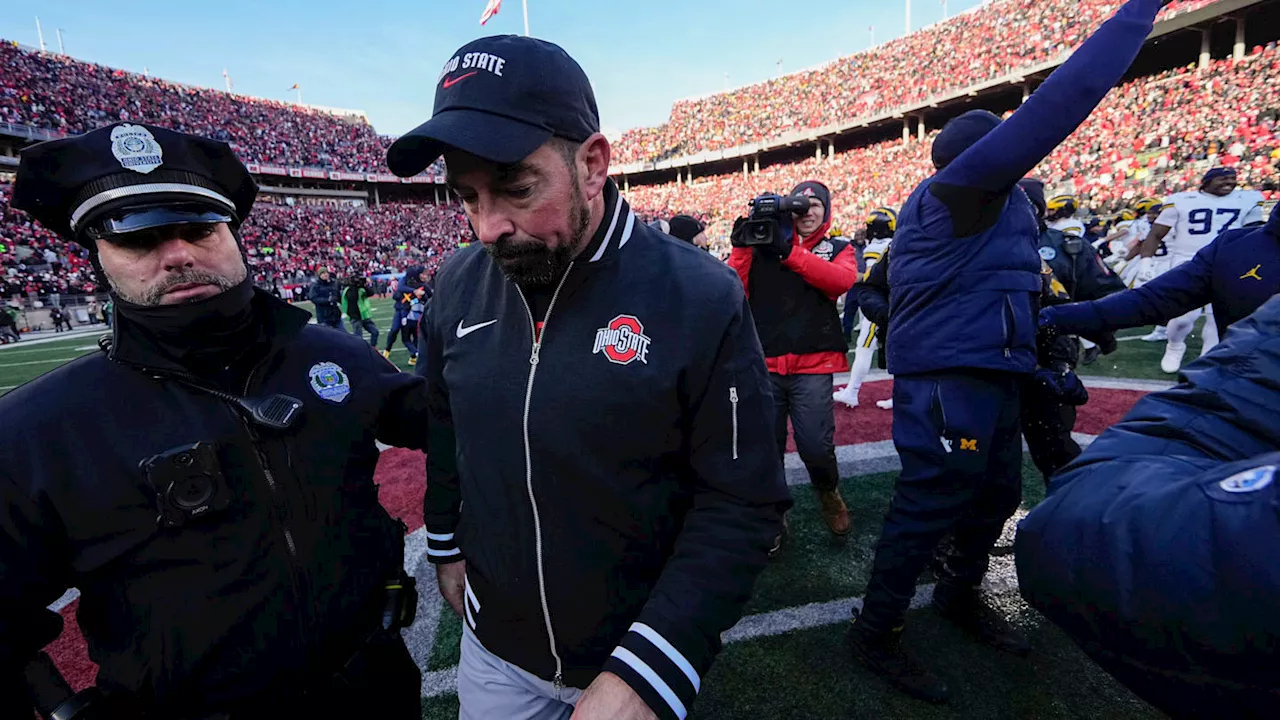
x=626, y=232
x=608, y=234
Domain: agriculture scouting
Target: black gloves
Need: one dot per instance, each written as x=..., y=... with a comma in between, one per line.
x=1062, y=385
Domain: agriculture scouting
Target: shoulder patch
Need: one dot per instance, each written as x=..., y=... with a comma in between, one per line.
x=1249, y=480
x=1048, y=253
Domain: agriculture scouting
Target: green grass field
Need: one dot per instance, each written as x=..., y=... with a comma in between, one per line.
x=25, y=361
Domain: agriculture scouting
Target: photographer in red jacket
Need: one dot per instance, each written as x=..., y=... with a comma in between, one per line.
x=792, y=286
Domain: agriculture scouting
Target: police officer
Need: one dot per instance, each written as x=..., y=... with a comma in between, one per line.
x=224, y=532
x=964, y=289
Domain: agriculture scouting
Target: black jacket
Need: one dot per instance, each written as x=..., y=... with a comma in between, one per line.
x=274, y=592
x=1077, y=264
x=620, y=480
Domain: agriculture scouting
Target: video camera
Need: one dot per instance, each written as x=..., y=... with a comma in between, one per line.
x=764, y=225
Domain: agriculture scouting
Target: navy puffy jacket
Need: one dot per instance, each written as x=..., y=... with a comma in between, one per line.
x=1156, y=549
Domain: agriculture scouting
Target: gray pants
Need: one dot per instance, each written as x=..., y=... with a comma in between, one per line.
x=367, y=324
x=490, y=688
x=806, y=399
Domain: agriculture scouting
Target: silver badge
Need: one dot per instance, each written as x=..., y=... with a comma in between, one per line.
x=136, y=148
x=330, y=382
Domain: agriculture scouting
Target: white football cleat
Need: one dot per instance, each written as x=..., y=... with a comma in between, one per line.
x=847, y=395
x=1160, y=334
x=1172, y=359
x=885, y=404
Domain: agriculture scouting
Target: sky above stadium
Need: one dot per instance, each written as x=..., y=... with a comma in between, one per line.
x=382, y=56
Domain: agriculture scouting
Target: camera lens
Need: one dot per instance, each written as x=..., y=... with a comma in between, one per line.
x=183, y=459
x=191, y=493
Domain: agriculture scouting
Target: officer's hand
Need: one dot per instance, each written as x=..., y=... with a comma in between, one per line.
x=452, y=580
x=609, y=698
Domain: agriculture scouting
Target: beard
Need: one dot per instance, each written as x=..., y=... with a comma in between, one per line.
x=530, y=263
x=154, y=296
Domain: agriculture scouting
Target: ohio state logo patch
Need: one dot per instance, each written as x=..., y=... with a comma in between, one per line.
x=623, y=341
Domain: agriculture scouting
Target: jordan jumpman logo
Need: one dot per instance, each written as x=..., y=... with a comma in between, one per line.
x=1252, y=273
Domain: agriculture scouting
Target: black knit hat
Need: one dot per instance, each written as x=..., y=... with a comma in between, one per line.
x=685, y=227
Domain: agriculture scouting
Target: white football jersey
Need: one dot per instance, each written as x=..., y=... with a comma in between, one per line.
x=1196, y=218
x=874, y=250
x=1069, y=226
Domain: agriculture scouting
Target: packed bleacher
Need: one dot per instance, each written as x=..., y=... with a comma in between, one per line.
x=289, y=245
x=990, y=41
x=1152, y=136
x=55, y=92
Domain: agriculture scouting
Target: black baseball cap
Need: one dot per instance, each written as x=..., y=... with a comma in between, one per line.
x=500, y=98
x=127, y=177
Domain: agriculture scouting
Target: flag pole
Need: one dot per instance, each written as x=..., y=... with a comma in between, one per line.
x=525, y=3
x=40, y=34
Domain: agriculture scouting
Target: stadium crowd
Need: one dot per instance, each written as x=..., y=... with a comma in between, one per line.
x=1151, y=136
x=289, y=245
x=991, y=41
x=58, y=93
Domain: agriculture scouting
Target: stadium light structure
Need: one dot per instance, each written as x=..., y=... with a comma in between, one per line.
x=39, y=33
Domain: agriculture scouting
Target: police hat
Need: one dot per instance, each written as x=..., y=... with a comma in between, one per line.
x=128, y=177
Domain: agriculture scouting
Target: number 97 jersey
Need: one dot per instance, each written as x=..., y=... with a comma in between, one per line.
x=1196, y=218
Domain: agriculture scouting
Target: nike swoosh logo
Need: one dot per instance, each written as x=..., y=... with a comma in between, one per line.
x=450, y=82
x=465, y=331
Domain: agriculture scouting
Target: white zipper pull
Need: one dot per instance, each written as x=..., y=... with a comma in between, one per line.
x=733, y=401
x=533, y=356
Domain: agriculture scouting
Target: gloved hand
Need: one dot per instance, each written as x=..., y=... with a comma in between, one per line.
x=1062, y=385
x=780, y=248
x=735, y=235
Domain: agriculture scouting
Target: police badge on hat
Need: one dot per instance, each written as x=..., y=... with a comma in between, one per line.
x=330, y=382
x=136, y=148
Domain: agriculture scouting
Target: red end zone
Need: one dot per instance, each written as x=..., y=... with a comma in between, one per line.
x=401, y=479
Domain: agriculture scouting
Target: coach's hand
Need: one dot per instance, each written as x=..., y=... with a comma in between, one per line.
x=609, y=698
x=452, y=581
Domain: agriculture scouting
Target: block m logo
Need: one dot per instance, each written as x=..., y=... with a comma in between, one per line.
x=970, y=445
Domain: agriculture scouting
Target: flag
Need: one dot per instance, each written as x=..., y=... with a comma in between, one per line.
x=295, y=86
x=490, y=10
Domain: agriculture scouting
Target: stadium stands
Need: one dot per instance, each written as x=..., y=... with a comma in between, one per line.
x=991, y=41
x=1150, y=136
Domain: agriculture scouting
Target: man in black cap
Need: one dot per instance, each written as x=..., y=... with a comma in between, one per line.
x=225, y=533
x=613, y=450
x=688, y=229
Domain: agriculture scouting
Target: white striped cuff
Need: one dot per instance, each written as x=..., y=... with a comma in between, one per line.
x=441, y=547
x=659, y=673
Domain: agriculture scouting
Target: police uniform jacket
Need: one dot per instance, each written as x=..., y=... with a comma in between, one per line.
x=274, y=592
x=614, y=454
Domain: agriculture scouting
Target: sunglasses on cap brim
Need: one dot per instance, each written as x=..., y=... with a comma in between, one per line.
x=116, y=225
